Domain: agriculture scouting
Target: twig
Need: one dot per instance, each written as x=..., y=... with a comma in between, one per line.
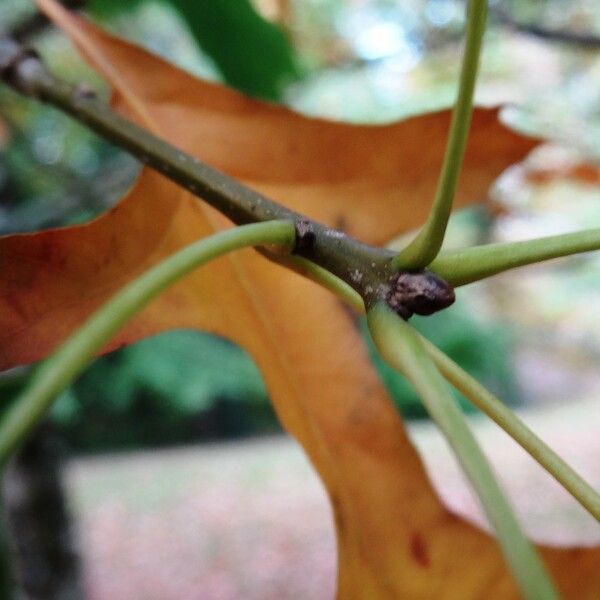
x=366, y=269
x=587, y=41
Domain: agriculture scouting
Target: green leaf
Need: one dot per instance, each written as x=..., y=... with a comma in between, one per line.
x=185, y=370
x=252, y=54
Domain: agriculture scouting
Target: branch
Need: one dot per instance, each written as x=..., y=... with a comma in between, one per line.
x=333, y=250
x=587, y=41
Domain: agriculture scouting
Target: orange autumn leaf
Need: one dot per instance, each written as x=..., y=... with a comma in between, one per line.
x=321, y=168
x=395, y=538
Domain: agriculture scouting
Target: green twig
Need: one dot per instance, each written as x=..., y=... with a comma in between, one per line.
x=425, y=247
x=575, y=39
x=508, y=421
x=472, y=264
x=75, y=354
x=402, y=349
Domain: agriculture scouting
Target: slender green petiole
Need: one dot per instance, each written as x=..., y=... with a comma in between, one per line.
x=324, y=278
x=472, y=264
x=75, y=354
x=478, y=395
x=402, y=349
x=508, y=421
x=425, y=247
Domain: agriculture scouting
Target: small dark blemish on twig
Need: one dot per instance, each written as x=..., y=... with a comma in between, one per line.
x=305, y=235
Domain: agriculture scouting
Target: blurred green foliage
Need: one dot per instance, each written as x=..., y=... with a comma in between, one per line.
x=54, y=171
x=173, y=388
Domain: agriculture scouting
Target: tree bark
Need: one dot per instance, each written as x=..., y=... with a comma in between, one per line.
x=42, y=554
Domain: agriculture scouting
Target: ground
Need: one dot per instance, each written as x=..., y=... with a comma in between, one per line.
x=250, y=519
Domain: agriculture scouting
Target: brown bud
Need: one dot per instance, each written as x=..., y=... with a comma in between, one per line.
x=419, y=292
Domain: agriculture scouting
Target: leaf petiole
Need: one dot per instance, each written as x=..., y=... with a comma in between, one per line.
x=403, y=350
x=54, y=374
x=425, y=247
x=508, y=421
x=461, y=267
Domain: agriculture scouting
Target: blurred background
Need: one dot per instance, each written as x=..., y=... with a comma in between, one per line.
x=162, y=472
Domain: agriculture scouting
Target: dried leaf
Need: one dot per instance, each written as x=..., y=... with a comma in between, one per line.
x=395, y=538
x=319, y=167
